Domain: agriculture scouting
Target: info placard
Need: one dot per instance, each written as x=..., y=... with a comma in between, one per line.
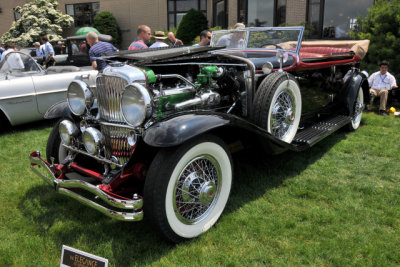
x=71, y=257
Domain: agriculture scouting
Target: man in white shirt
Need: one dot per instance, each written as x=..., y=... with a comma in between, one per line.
x=13, y=60
x=380, y=83
x=48, y=52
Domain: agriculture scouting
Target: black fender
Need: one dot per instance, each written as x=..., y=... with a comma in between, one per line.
x=176, y=130
x=349, y=94
x=58, y=110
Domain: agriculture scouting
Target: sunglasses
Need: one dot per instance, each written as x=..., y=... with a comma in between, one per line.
x=208, y=37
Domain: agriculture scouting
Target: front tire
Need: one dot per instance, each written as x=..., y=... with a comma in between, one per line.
x=54, y=148
x=187, y=187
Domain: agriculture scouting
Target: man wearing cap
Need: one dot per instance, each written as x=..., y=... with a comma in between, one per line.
x=159, y=36
x=97, y=49
x=380, y=83
x=39, y=49
x=235, y=39
x=143, y=37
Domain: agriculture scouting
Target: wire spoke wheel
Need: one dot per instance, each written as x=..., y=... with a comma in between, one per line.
x=197, y=189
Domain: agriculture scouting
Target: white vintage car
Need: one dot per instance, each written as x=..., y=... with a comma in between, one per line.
x=27, y=91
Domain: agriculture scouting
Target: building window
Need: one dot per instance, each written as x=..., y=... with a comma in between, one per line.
x=261, y=13
x=340, y=16
x=315, y=13
x=220, y=17
x=83, y=14
x=280, y=15
x=17, y=15
x=178, y=8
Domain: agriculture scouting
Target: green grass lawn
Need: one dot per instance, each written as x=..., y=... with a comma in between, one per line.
x=336, y=204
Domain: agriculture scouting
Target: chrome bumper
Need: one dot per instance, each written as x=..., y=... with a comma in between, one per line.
x=42, y=169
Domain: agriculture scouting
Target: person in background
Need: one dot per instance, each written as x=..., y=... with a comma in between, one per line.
x=14, y=60
x=58, y=48
x=205, y=38
x=235, y=39
x=48, y=52
x=380, y=83
x=174, y=41
x=1, y=50
x=97, y=49
x=38, y=49
x=143, y=37
x=160, y=37
x=83, y=48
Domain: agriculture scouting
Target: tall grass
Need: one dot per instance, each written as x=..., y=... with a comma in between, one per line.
x=336, y=204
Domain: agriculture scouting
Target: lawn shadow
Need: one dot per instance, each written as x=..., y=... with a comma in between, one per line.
x=256, y=172
x=67, y=222
x=37, y=125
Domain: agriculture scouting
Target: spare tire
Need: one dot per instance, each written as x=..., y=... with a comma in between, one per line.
x=277, y=105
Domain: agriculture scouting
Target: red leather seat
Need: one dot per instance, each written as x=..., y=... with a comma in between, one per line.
x=330, y=51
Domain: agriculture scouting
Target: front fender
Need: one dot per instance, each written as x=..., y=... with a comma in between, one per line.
x=177, y=130
x=58, y=110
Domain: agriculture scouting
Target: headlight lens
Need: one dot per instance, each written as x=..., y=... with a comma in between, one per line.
x=79, y=97
x=267, y=67
x=67, y=129
x=92, y=139
x=135, y=104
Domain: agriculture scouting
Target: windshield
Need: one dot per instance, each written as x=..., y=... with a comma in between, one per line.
x=15, y=62
x=287, y=38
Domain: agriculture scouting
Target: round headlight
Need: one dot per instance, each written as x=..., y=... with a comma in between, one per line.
x=267, y=67
x=135, y=104
x=79, y=97
x=92, y=139
x=67, y=129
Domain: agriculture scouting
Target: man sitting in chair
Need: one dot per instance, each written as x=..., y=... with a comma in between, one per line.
x=380, y=83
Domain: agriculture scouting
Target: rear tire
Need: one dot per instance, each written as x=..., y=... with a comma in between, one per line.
x=358, y=110
x=187, y=187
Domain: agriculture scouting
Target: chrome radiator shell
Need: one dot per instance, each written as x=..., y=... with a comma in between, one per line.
x=109, y=88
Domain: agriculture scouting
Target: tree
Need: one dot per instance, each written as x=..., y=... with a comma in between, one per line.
x=381, y=26
x=106, y=23
x=191, y=25
x=39, y=17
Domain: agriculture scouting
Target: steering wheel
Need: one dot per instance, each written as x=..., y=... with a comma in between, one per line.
x=268, y=44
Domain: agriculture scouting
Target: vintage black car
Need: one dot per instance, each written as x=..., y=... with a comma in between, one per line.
x=152, y=138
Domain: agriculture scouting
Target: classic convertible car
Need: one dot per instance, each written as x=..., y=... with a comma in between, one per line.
x=153, y=138
x=27, y=91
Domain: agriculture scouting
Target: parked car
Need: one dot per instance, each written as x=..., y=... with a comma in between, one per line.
x=27, y=91
x=153, y=138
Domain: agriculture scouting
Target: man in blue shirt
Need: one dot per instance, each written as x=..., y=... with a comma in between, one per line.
x=48, y=52
x=97, y=49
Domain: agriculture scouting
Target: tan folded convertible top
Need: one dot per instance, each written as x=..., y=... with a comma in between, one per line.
x=359, y=47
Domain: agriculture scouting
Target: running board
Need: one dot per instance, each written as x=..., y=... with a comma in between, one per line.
x=312, y=135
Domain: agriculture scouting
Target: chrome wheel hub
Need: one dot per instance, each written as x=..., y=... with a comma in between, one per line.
x=283, y=115
x=197, y=189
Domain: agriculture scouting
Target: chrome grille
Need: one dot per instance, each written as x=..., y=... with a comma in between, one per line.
x=109, y=95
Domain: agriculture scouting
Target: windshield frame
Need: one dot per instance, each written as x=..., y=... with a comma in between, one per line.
x=255, y=29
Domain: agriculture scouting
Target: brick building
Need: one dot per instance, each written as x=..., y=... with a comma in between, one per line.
x=329, y=18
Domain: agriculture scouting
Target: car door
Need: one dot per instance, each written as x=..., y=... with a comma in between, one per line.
x=17, y=93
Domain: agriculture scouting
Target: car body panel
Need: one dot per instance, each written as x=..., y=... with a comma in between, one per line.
x=26, y=95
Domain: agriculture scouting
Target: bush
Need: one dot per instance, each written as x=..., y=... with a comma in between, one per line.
x=191, y=25
x=381, y=26
x=106, y=23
